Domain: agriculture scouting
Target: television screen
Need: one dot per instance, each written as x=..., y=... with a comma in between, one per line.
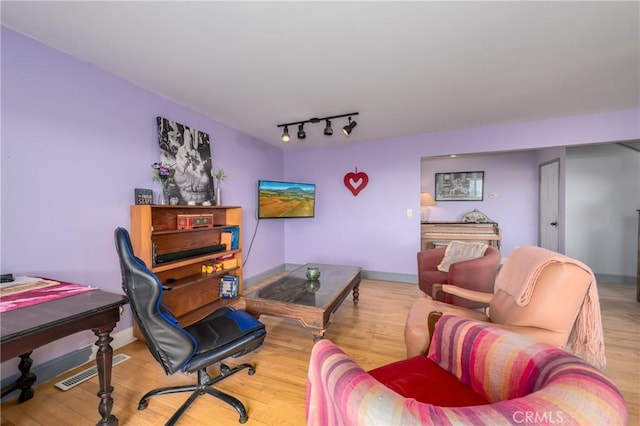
x=286, y=199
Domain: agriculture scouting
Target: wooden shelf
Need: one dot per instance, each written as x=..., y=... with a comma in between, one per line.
x=180, y=231
x=193, y=279
x=203, y=311
x=192, y=294
x=192, y=260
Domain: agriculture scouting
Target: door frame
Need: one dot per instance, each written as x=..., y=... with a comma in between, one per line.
x=558, y=207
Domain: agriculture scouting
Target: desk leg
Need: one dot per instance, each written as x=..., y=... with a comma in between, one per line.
x=25, y=381
x=104, y=359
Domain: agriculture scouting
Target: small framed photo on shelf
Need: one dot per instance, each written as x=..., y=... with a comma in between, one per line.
x=143, y=196
x=460, y=186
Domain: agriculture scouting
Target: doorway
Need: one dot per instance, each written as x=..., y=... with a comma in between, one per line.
x=549, y=196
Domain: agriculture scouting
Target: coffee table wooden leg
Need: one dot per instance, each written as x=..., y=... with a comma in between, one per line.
x=356, y=293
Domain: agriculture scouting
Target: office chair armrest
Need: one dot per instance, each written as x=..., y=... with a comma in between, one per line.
x=475, y=296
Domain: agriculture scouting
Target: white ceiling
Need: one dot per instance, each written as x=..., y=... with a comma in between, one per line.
x=407, y=67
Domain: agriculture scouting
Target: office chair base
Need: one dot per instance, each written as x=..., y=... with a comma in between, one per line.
x=204, y=386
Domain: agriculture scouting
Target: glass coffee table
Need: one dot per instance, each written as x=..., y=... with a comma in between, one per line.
x=310, y=302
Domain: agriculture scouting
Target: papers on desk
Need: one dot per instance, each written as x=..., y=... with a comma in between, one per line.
x=25, y=283
x=18, y=281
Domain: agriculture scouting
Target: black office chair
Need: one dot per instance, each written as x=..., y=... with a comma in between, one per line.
x=226, y=332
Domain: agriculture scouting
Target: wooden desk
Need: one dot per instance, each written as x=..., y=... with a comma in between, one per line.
x=441, y=233
x=25, y=329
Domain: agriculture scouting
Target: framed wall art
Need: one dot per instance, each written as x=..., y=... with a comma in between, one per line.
x=188, y=153
x=459, y=186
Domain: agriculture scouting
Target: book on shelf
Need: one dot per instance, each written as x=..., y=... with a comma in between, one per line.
x=225, y=238
x=228, y=286
x=235, y=235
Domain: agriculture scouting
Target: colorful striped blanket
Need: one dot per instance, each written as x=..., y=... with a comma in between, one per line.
x=526, y=382
x=41, y=294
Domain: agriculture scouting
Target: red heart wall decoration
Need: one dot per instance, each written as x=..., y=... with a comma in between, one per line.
x=356, y=182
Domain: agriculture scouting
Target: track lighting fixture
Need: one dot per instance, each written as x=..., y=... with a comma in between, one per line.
x=285, y=134
x=328, y=131
x=349, y=127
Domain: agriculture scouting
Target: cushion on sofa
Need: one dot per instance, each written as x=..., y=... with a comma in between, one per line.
x=423, y=380
x=458, y=251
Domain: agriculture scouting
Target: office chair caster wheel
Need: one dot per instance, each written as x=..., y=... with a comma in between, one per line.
x=252, y=371
x=143, y=404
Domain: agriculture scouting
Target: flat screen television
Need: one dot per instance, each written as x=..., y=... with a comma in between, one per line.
x=286, y=199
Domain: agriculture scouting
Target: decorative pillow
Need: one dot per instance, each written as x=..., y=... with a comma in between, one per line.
x=457, y=251
x=425, y=381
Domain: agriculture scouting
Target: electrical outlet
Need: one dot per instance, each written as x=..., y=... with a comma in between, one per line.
x=493, y=195
x=409, y=212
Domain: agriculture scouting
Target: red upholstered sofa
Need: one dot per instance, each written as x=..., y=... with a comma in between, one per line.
x=476, y=274
x=474, y=373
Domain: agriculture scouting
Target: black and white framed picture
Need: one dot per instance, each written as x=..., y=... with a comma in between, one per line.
x=187, y=152
x=459, y=186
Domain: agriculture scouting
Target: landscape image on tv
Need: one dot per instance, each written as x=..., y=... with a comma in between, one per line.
x=285, y=199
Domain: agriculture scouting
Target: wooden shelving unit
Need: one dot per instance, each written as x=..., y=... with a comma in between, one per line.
x=190, y=293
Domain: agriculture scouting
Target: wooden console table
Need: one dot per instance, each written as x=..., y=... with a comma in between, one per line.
x=435, y=234
x=26, y=329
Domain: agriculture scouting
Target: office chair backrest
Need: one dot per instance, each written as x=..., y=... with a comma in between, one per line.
x=169, y=343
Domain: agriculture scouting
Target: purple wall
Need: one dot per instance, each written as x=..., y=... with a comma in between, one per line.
x=512, y=177
x=77, y=140
x=373, y=230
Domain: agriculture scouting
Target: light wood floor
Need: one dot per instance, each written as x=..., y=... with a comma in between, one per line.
x=372, y=333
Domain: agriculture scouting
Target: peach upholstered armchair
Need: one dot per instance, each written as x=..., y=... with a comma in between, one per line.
x=545, y=295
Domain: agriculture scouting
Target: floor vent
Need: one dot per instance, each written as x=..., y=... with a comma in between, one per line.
x=85, y=375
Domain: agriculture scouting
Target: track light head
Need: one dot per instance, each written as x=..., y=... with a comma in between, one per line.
x=285, y=134
x=327, y=129
x=301, y=132
x=349, y=127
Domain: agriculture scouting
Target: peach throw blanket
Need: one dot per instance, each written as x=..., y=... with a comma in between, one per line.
x=518, y=277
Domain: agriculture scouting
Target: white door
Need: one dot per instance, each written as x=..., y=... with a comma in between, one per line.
x=549, y=204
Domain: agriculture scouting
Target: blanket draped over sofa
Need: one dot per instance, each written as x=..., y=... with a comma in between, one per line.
x=523, y=380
